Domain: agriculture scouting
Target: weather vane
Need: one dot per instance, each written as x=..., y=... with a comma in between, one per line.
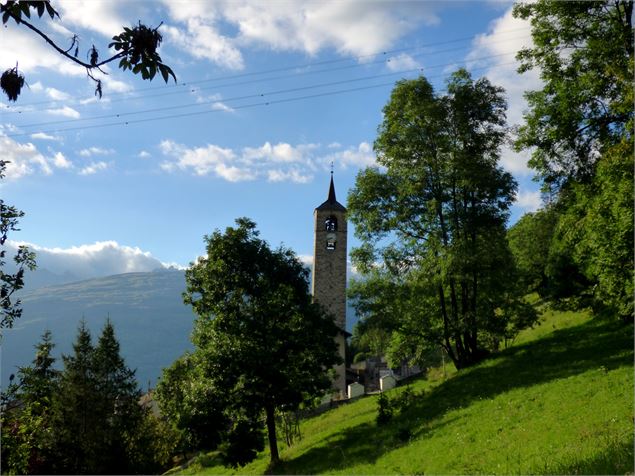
x=331, y=167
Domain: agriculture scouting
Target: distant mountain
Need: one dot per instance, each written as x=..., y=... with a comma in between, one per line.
x=151, y=322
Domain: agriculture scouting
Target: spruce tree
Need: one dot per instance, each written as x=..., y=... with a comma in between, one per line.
x=77, y=422
x=118, y=400
x=26, y=414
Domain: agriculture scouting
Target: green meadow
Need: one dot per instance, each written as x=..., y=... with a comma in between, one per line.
x=559, y=400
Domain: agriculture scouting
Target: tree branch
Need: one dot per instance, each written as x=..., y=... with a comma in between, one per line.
x=65, y=53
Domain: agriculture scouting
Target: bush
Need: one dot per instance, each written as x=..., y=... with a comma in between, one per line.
x=384, y=409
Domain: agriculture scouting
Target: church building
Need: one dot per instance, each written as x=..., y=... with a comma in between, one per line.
x=329, y=271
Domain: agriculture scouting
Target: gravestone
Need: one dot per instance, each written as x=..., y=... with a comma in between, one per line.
x=355, y=390
x=387, y=382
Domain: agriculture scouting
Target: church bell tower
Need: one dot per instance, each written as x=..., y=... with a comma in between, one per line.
x=329, y=271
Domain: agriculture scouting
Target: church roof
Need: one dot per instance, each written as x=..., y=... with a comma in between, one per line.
x=331, y=202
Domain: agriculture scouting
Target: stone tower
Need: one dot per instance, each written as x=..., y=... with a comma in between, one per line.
x=329, y=271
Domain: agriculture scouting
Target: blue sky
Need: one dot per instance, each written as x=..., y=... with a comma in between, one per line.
x=198, y=154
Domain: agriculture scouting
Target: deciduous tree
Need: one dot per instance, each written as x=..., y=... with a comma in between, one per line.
x=580, y=129
x=24, y=259
x=435, y=216
x=262, y=344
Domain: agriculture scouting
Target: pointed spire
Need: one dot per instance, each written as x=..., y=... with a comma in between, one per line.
x=331, y=202
x=332, y=198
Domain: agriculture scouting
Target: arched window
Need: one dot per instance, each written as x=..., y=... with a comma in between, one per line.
x=330, y=224
x=330, y=241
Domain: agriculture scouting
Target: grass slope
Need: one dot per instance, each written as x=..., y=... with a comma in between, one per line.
x=559, y=401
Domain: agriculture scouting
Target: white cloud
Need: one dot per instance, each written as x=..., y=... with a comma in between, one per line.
x=114, y=85
x=24, y=159
x=102, y=16
x=402, y=62
x=281, y=162
x=44, y=136
x=94, y=167
x=203, y=41
x=91, y=151
x=529, y=201
x=515, y=162
x=221, y=106
x=348, y=26
x=33, y=53
x=293, y=175
x=207, y=160
x=360, y=156
x=144, y=154
x=102, y=258
x=61, y=162
x=280, y=152
x=56, y=94
x=65, y=111
x=507, y=35
x=233, y=174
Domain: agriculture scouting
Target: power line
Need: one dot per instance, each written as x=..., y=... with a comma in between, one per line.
x=209, y=111
x=249, y=96
x=286, y=68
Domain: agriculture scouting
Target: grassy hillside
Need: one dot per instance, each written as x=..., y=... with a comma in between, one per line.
x=559, y=401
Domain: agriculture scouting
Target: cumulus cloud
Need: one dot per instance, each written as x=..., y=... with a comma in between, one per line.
x=20, y=44
x=102, y=16
x=94, y=167
x=45, y=136
x=24, y=158
x=102, y=258
x=360, y=156
x=515, y=162
x=507, y=34
x=205, y=42
x=402, y=62
x=65, y=111
x=348, y=26
x=528, y=200
x=91, y=151
x=61, y=162
x=281, y=162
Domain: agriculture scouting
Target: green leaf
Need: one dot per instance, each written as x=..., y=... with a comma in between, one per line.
x=50, y=10
x=164, y=72
x=25, y=9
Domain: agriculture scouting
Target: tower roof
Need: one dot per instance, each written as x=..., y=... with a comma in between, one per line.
x=331, y=202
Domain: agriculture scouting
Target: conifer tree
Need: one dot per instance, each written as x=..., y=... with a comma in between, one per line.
x=118, y=400
x=76, y=419
x=26, y=414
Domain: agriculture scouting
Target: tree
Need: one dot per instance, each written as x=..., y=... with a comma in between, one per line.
x=135, y=48
x=24, y=259
x=261, y=342
x=584, y=51
x=97, y=416
x=117, y=402
x=26, y=414
x=76, y=424
x=580, y=129
x=435, y=217
x=190, y=405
